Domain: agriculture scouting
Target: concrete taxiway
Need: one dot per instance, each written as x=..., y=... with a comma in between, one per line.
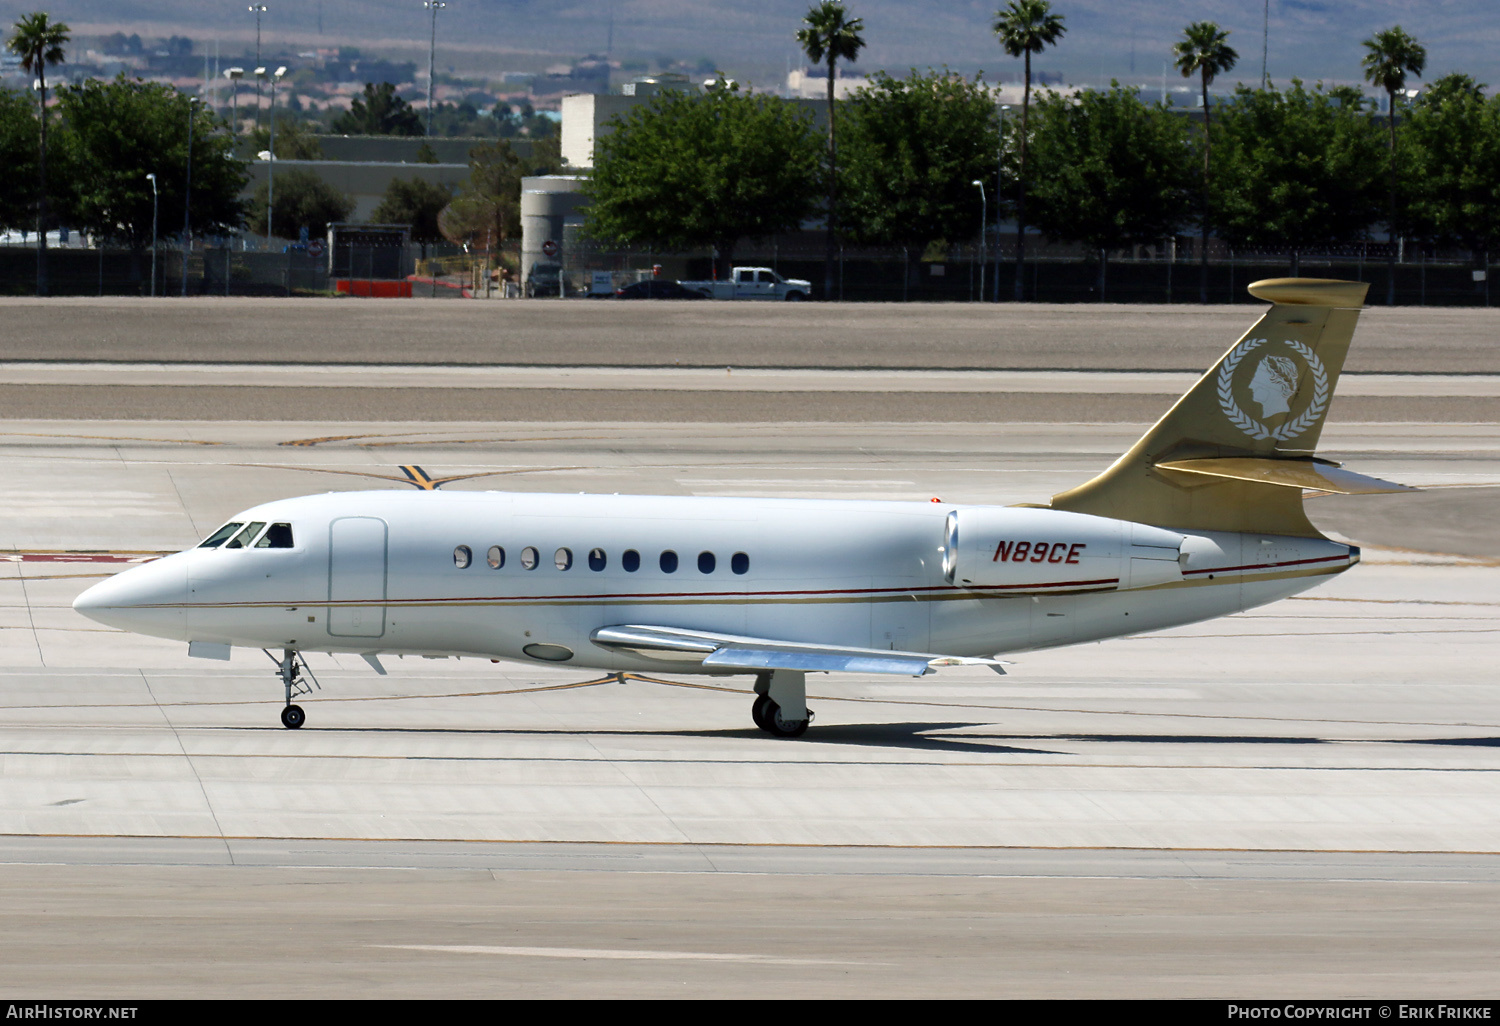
x=1300, y=800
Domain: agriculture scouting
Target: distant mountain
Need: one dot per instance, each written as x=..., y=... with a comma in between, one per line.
x=1311, y=39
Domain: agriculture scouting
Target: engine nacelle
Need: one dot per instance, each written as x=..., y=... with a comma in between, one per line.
x=1023, y=551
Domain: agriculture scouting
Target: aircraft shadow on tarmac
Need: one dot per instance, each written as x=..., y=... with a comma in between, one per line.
x=911, y=736
x=922, y=736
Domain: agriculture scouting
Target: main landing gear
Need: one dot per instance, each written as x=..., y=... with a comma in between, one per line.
x=780, y=707
x=290, y=668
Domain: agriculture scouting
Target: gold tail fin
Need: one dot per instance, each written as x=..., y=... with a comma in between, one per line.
x=1264, y=400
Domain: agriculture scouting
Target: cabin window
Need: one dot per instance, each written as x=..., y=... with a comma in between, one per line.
x=563, y=559
x=462, y=557
x=246, y=536
x=496, y=557
x=277, y=536
x=706, y=562
x=630, y=560
x=669, y=562
x=530, y=557
x=216, y=539
x=597, y=559
x=739, y=563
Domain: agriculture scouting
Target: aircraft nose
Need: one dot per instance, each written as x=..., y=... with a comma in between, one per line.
x=147, y=599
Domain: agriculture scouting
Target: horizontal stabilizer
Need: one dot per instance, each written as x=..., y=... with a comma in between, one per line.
x=734, y=652
x=1288, y=473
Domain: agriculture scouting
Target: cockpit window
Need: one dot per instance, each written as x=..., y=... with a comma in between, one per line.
x=216, y=539
x=246, y=536
x=277, y=536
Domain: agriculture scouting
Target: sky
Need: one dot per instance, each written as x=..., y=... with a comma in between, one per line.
x=1125, y=39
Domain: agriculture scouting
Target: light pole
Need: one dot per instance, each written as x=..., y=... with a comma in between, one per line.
x=187, y=203
x=984, y=245
x=257, y=10
x=234, y=75
x=999, y=192
x=434, y=6
x=152, y=179
x=271, y=153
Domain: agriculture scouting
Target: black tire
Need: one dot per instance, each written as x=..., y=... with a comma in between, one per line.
x=293, y=717
x=758, y=711
x=772, y=723
x=795, y=297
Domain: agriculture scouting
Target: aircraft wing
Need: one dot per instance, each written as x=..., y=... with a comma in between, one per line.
x=729, y=651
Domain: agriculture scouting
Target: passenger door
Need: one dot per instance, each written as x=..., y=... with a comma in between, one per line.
x=357, y=559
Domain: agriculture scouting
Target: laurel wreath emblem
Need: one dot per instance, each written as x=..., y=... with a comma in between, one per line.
x=1248, y=424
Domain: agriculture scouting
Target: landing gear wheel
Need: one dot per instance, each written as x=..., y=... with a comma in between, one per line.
x=771, y=722
x=293, y=717
x=758, y=711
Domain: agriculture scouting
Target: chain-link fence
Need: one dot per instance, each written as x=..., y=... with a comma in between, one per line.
x=1167, y=272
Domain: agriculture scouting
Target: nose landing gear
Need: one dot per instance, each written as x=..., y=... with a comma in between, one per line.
x=290, y=668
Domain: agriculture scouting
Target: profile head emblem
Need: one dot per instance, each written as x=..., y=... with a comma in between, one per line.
x=1273, y=386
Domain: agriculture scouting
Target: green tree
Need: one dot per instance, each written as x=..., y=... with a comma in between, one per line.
x=1296, y=169
x=379, y=112
x=417, y=203
x=1204, y=51
x=1025, y=27
x=120, y=131
x=704, y=170
x=1452, y=159
x=913, y=148
x=487, y=210
x=1389, y=56
x=39, y=41
x=19, y=131
x=830, y=35
x=303, y=200
x=1111, y=171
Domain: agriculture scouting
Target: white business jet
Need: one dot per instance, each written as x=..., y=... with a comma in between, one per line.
x=1202, y=517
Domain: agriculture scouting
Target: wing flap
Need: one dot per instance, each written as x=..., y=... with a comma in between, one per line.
x=729, y=651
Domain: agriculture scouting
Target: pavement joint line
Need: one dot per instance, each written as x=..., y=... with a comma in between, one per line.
x=999, y=762
x=757, y=846
x=192, y=766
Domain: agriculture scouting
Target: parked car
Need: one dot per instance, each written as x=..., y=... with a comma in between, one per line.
x=754, y=283
x=657, y=288
x=544, y=279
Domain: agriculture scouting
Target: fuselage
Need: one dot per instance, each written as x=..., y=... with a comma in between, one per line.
x=529, y=577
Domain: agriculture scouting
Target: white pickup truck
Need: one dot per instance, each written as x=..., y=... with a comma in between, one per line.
x=753, y=283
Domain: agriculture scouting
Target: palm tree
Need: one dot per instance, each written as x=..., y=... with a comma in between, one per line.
x=38, y=41
x=831, y=35
x=1391, y=55
x=1024, y=28
x=1204, y=51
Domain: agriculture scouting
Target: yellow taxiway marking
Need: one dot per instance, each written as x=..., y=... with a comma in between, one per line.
x=412, y=474
x=631, y=954
x=107, y=438
x=427, y=438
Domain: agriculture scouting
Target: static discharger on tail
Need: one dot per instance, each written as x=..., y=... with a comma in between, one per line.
x=1200, y=518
